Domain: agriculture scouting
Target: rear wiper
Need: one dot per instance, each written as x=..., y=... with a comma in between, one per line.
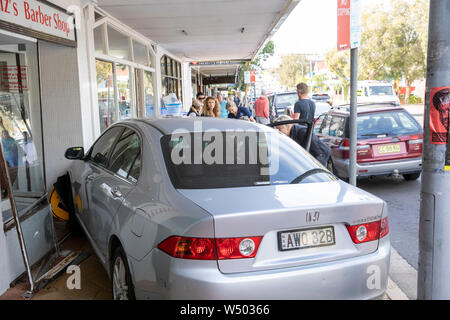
x=309, y=173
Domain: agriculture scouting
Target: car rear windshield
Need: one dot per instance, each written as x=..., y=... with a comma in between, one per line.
x=392, y=123
x=381, y=91
x=286, y=100
x=237, y=159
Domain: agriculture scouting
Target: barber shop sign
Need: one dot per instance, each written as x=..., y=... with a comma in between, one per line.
x=38, y=16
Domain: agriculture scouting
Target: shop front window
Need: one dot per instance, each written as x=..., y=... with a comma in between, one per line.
x=105, y=93
x=171, y=77
x=20, y=125
x=119, y=45
x=124, y=91
x=140, y=53
x=124, y=79
x=99, y=40
x=149, y=94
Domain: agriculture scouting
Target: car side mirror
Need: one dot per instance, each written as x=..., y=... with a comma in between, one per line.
x=74, y=153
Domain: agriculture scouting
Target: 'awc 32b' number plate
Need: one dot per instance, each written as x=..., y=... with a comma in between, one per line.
x=306, y=238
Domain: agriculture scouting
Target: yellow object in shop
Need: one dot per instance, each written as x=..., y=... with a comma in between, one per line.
x=57, y=211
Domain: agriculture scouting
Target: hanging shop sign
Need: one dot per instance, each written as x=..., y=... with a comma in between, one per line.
x=218, y=63
x=38, y=19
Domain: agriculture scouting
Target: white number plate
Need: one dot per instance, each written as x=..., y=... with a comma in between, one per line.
x=306, y=238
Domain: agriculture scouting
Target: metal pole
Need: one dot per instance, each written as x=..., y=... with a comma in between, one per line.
x=353, y=113
x=434, y=238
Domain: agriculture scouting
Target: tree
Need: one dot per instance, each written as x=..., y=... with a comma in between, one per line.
x=393, y=44
x=339, y=63
x=408, y=38
x=293, y=69
x=373, y=48
x=266, y=53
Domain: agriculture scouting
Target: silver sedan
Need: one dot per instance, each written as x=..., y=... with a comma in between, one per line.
x=224, y=209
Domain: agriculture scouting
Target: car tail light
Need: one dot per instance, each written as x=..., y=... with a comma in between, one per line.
x=189, y=248
x=415, y=143
x=361, y=149
x=345, y=147
x=237, y=248
x=369, y=231
x=209, y=248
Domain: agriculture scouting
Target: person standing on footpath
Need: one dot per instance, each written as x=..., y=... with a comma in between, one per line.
x=299, y=133
x=237, y=99
x=304, y=108
x=262, y=108
x=223, y=106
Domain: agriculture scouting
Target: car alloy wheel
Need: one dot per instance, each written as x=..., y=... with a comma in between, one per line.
x=122, y=287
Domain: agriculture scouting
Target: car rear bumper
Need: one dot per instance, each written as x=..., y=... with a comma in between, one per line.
x=403, y=166
x=363, y=277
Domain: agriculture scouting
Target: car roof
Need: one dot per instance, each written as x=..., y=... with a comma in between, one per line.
x=282, y=93
x=198, y=124
x=364, y=109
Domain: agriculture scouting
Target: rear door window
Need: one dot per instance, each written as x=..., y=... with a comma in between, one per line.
x=325, y=125
x=337, y=126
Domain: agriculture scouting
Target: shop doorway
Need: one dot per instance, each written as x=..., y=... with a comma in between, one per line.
x=27, y=221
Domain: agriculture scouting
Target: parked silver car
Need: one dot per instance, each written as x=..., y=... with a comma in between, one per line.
x=225, y=209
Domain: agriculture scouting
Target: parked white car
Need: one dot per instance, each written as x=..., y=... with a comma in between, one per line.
x=376, y=92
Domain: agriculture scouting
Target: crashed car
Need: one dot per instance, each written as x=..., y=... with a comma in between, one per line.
x=182, y=208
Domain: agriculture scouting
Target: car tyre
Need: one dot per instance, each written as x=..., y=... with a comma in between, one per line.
x=411, y=176
x=122, y=284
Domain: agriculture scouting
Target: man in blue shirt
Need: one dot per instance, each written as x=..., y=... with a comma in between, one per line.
x=238, y=112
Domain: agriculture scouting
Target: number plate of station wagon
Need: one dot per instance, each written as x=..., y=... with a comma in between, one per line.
x=389, y=148
x=306, y=238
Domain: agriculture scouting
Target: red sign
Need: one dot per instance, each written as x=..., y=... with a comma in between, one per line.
x=343, y=19
x=13, y=78
x=439, y=114
x=252, y=77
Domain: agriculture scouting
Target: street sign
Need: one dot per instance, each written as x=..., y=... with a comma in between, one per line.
x=249, y=77
x=355, y=23
x=349, y=24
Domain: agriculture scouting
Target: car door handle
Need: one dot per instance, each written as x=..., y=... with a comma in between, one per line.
x=90, y=177
x=116, y=193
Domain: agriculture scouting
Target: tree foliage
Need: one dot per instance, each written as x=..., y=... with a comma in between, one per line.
x=266, y=53
x=393, y=44
x=294, y=68
x=339, y=63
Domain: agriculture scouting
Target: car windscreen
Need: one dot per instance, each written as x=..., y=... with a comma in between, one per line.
x=285, y=100
x=381, y=91
x=234, y=159
x=390, y=123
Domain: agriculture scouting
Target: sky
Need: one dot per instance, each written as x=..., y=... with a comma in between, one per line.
x=310, y=28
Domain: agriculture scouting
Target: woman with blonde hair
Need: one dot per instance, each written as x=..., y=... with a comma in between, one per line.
x=211, y=108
